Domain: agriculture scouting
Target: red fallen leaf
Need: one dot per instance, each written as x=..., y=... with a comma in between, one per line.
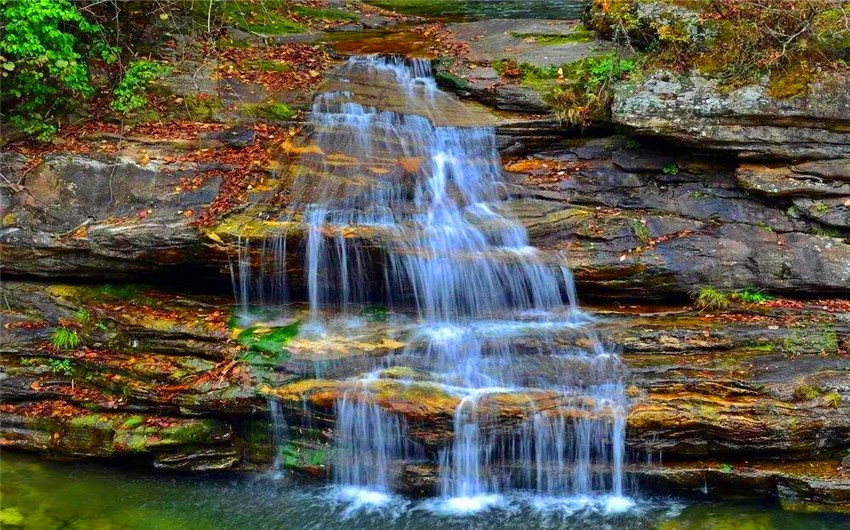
x=143, y=214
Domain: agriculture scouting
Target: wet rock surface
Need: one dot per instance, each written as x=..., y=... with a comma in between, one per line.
x=754, y=396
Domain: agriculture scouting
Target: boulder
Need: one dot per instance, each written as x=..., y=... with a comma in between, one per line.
x=746, y=121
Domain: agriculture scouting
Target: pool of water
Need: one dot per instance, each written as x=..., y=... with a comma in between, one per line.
x=478, y=9
x=38, y=494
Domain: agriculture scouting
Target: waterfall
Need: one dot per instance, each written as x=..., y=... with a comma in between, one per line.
x=278, y=434
x=404, y=205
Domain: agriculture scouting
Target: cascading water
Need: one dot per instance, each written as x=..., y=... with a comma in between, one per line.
x=403, y=206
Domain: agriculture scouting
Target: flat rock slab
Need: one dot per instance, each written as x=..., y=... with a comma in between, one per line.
x=490, y=40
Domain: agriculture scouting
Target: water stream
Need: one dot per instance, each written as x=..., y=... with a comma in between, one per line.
x=403, y=204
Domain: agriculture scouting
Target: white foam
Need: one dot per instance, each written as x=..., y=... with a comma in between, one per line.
x=461, y=506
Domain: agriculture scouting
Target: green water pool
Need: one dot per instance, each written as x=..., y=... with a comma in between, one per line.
x=39, y=494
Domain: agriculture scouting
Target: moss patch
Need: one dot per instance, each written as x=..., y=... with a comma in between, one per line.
x=259, y=17
x=580, y=34
x=273, y=111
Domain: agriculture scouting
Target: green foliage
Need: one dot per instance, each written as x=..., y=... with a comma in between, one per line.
x=832, y=400
x=64, y=339
x=764, y=226
x=266, y=345
x=710, y=299
x=84, y=318
x=124, y=291
x=821, y=207
x=60, y=366
x=378, y=313
x=139, y=76
x=586, y=90
x=263, y=16
x=672, y=169
x=44, y=49
x=631, y=143
x=738, y=43
x=329, y=15
x=806, y=392
x=753, y=297
x=640, y=230
x=826, y=232
x=294, y=456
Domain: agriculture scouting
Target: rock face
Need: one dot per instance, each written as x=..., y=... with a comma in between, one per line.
x=746, y=121
x=639, y=221
x=108, y=216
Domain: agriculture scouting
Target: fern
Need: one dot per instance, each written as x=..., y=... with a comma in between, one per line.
x=64, y=339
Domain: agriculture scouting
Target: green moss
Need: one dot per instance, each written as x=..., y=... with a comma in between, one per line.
x=202, y=108
x=580, y=34
x=806, y=392
x=132, y=422
x=266, y=65
x=267, y=17
x=11, y=517
x=192, y=432
x=790, y=83
x=448, y=79
x=330, y=15
x=266, y=345
x=273, y=111
x=832, y=400
x=91, y=420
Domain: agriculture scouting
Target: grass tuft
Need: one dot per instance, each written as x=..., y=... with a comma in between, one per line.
x=710, y=299
x=64, y=339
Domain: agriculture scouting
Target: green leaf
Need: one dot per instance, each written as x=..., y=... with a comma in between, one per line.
x=9, y=66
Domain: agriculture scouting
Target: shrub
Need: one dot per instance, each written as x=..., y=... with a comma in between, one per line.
x=736, y=42
x=130, y=94
x=586, y=92
x=64, y=339
x=44, y=51
x=707, y=298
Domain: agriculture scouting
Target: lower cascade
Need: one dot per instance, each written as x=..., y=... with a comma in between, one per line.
x=404, y=206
